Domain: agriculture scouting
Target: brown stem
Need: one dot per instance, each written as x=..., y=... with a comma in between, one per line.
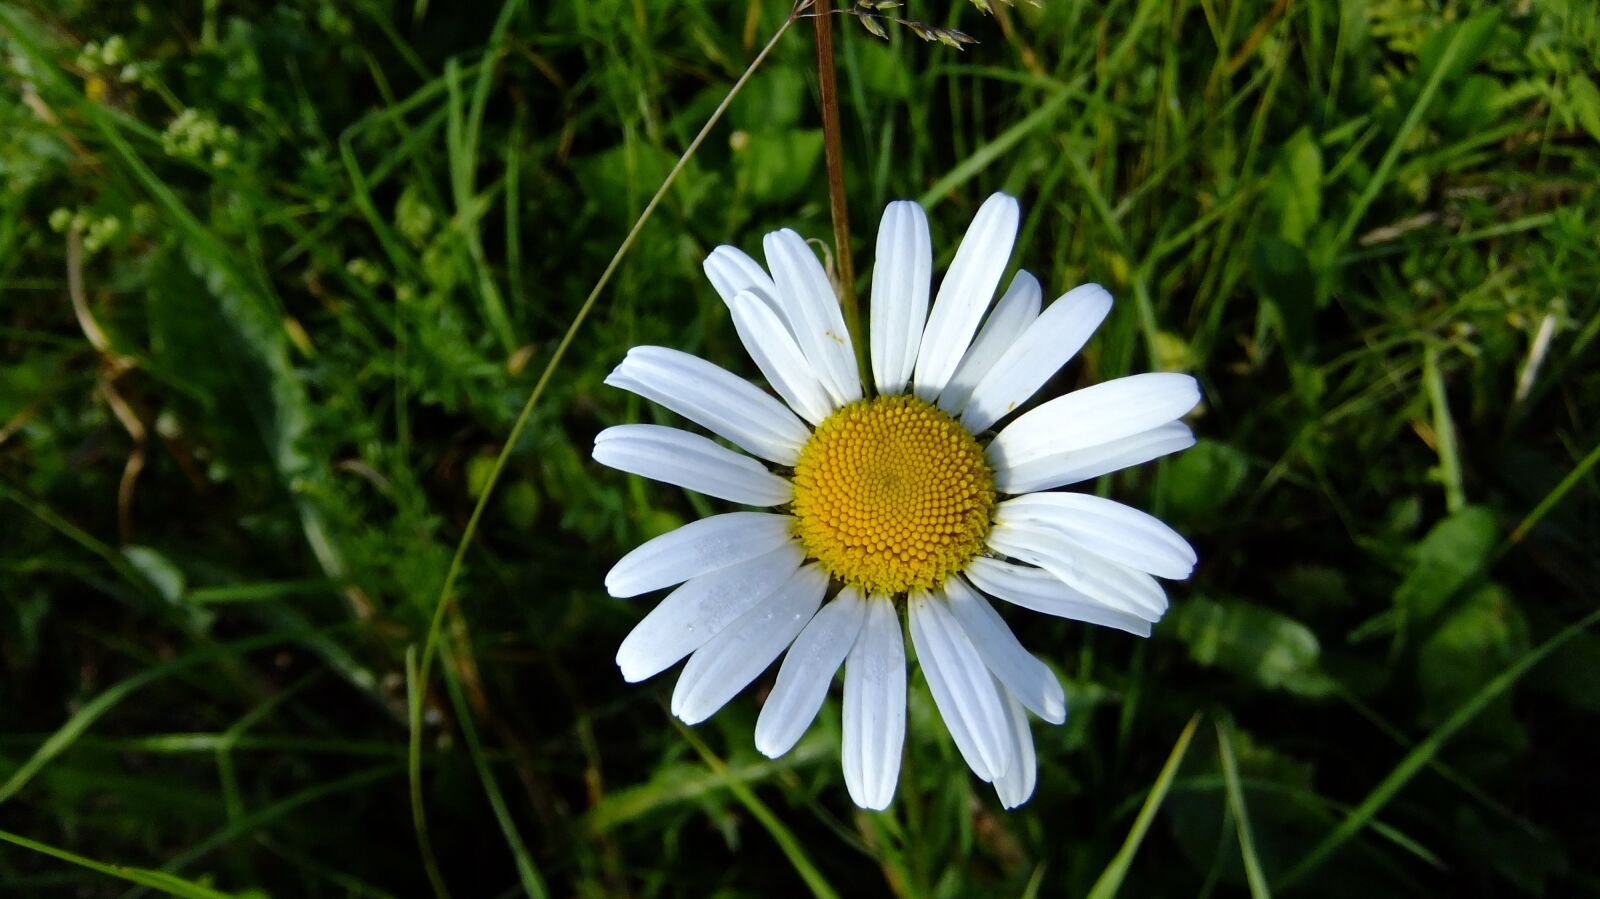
x=833, y=153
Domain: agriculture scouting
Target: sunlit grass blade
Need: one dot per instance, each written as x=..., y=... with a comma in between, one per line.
x=1110, y=880
x=1241, y=816
x=157, y=880
x=91, y=711
x=784, y=837
x=1550, y=499
x=1418, y=758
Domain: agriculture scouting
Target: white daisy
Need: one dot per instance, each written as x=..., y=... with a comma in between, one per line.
x=896, y=500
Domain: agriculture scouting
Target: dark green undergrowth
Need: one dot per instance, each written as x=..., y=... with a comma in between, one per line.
x=276, y=279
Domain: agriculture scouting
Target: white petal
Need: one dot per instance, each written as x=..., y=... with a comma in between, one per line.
x=1074, y=466
x=812, y=308
x=732, y=271
x=1027, y=678
x=697, y=548
x=1107, y=528
x=1011, y=316
x=772, y=347
x=700, y=609
x=1053, y=338
x=1117, y=586
x=714, y=399
x=807, y=670
x=720, y=669
x=690, y=461
x=1017, y=785
x=965, y=292
x=874, y=707
x=900, y=284
x=1094, y=416
x=961, y=686
x=1038, y=590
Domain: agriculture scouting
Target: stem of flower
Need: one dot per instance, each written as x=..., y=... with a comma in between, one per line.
x=833, y=153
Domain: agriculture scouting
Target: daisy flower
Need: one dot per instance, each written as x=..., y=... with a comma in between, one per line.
x=918, y=497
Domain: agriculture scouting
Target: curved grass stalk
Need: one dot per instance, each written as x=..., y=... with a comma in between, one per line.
x=430, y=648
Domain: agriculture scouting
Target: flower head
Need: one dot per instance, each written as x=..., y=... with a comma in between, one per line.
x=900, y=500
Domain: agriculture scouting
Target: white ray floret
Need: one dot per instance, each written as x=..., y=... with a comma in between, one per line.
x=1074, y=466
x=690, y=461
x=771, y=346
x=961, y=686
x=965, y=293
x=1028, y=679
x=733, y=658
x=874, y=707
x=715, y=399
x=808, y=301
x=900, y=285
x=697, y=548
x=1037, y=353
x=807, y=671
x=1011, y=316
x=698, y=610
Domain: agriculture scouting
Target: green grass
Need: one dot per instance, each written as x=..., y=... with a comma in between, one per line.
x=276, y=300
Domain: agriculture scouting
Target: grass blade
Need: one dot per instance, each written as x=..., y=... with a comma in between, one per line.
x=442, y=604
x=1241, y=817
x=527, y=871
x=166, y=883
x=785, y=838
x=1419, y=757
x=1110, y=879
x=91, y=711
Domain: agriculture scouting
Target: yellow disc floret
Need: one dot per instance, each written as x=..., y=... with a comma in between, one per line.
x=891, y=493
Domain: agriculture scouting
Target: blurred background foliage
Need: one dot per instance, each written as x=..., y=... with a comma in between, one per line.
x=277, y=276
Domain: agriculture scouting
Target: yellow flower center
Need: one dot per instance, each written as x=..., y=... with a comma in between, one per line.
x=891, y=493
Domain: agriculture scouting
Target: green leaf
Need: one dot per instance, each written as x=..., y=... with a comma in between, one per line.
x=776, y=167
x=1295, y=194
x=772, y=102
x=1447, y=559
x=1269, y=649
x=1477, y=639
x=618, y=181
x=1473, y=105
x=1583, y=102
x=1476, y=33
x=1204, y=480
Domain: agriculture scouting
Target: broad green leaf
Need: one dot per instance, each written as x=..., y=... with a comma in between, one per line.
x=1256, y=643
x=1204, y=479
x=1453, y=553
x=1477, y=638
x=777, y=166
